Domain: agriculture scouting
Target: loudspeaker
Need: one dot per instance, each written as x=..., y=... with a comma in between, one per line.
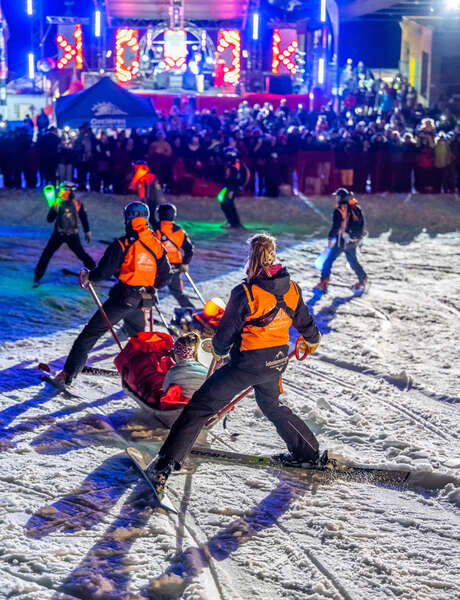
x=189, y=81
x=280, y=84
x=162, y=81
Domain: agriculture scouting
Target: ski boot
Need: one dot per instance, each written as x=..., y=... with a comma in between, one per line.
x=36, y=283
x=359, y=287
x=322, y=461
x=158, y=472
x=322, y=286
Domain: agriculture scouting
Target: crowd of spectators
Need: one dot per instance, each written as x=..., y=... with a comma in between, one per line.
x=397, y=148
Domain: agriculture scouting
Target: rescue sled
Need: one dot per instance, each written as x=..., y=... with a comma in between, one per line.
x=142, y=365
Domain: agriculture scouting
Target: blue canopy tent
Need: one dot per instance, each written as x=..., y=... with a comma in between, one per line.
x=105, y=105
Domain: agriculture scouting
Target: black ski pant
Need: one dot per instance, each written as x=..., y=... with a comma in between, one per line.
x=219, y=390
x=133, y=317
x=175, y=287
x=350, y=254
x=56, y=240
x=229, y=209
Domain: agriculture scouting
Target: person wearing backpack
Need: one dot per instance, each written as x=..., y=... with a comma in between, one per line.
x=179, y=248
x=346, y=232
x=141, y=265
x=66, y=213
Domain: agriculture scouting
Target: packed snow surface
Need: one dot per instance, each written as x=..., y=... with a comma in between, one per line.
x=76, y=520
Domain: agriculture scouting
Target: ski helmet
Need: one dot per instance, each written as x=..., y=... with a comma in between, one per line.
x=166, y=212
x=343, y=195
x=231, y=154
x=66, y=190
x=136, y=209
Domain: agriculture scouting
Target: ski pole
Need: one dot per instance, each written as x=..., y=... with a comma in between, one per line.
x=300, y=352
x=170, y=329
x=87, y=285
x=195, y=289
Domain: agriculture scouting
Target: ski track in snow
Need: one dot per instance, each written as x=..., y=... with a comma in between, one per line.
x=76, y=520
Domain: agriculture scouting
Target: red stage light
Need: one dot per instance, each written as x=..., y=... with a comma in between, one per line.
x=229, y=46
x=283, y=51
x=70, y=52
x=126, y=39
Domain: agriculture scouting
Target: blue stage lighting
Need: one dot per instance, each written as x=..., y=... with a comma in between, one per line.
x=31, y=64
x=322, y=12
x=255, y=26
x=97, y=23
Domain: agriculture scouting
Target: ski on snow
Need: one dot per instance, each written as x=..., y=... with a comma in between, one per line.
x=87, y=370
x=141, y=464
x=378, y=475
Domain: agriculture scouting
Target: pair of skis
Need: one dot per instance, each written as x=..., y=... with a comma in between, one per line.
x=331, y=470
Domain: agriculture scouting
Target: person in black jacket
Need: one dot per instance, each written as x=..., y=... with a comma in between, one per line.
x=255, y=331
x=179, y=249
x=66, y=214
x=345, y=234
x=236, y=177
x=142, y=266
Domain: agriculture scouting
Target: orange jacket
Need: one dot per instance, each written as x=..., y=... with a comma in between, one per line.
x=270, y=318
x=139, y=267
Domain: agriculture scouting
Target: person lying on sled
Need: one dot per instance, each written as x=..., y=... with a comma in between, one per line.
x=187, y=372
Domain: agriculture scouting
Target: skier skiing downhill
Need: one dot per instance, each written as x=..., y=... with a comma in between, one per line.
x=66, y=213
x=179, y=249
x=255, y=331
x=142, y=266
x=236, y=177
x=345, y=234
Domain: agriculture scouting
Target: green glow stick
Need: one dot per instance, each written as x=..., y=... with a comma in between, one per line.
x=221, y=194
x=50, y=194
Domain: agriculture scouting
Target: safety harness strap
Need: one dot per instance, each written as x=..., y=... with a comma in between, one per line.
x=269, y=317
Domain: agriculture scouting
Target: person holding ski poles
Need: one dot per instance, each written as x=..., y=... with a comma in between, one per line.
x=142, y=266
x=236, y=177
x=346, y=232
x=66, y=213
x=179, y=249
x=255, y=331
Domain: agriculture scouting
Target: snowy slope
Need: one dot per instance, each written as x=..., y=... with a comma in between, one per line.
x=76, y=520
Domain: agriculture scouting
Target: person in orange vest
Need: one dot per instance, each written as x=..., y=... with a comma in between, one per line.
x=255, y=331
x=66, y=213
x=147, y=188
x=179, y=249
x=142, y=266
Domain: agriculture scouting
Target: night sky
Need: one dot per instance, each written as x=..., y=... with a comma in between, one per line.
x=357, y=39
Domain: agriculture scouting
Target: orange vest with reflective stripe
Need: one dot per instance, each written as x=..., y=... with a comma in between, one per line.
x=275, y=332
x=140, y=265
x=172, y=241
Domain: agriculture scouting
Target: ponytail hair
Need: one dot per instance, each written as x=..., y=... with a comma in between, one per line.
x=262, y=255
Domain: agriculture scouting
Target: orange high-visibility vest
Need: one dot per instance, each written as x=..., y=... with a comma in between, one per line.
x=172, y=241
x=268, y=324
x=140, y=265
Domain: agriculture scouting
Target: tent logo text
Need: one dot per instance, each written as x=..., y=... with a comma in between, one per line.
x=107, y=108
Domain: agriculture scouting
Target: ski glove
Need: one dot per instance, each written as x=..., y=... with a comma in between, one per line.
x=184, y=268
x=88, y=236
x=313, y=347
